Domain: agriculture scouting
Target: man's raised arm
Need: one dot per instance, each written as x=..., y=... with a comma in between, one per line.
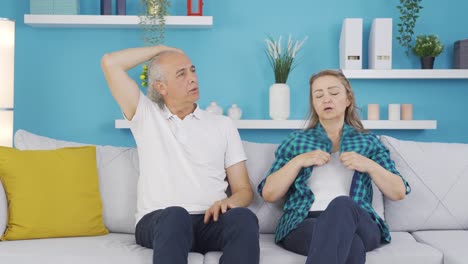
x=115, y=66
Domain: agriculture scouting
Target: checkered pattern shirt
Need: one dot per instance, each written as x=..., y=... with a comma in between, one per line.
x=300, y=197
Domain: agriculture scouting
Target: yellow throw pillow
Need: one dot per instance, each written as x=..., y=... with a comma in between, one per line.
x=51, y=193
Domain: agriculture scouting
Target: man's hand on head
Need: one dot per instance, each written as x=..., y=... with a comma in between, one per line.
x=220, y=206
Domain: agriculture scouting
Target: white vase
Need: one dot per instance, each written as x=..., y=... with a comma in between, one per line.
x=214, y=108
x=235, y=112
x=279, y=101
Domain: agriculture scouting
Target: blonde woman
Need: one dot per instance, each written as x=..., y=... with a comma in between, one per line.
x=325, y=172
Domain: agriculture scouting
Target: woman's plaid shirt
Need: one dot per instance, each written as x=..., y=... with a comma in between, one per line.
x=300, y=197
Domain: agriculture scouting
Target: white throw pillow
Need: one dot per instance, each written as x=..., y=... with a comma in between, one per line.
x=118, y=175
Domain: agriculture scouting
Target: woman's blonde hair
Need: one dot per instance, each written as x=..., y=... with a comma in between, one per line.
x=351, y=116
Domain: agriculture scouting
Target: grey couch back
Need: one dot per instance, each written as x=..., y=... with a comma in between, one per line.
x=438, y=176
x=437, y=173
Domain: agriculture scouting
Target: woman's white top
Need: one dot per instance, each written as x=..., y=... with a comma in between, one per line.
x=329, y=181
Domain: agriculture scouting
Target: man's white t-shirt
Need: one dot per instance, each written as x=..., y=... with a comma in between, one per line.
x=329, y=181
x=182, y=162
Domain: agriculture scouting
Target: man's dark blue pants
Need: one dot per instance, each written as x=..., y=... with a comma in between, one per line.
x=172, y=233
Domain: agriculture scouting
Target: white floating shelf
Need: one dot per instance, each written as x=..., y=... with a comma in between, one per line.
x=101, y=21
x=299, y=124
x=402, y=124
x=406, y=74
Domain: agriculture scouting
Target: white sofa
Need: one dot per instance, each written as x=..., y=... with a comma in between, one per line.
x=428, y=227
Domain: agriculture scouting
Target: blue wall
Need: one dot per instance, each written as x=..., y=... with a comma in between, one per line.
x=60, y=91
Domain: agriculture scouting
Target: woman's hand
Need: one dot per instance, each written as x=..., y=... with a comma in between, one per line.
x=316, y=157
x=355, y=161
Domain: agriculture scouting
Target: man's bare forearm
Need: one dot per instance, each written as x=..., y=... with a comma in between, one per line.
x=129, y=58
x=242, y=198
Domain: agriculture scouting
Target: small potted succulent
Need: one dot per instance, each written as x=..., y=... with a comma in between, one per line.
x=427, y=47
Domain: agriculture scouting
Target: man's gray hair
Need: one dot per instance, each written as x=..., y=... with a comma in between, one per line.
x=156, y=73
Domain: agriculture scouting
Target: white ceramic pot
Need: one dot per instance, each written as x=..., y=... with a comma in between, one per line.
x=214, y=108
x=235, y=112
x=279, y=101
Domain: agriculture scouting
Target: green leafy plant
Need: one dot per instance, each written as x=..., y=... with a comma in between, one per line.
x=144, y=76
x=409, y=14
x=428, y=46
x=152, y=20
x=152, y=24
x=283, y=61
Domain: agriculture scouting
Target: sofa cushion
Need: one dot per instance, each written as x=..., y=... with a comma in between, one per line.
x=402, y=250
x=260, y=157
x=118, y=175
x=51, y=193
x=438, y=176
x=109, y=249
x=452, y=243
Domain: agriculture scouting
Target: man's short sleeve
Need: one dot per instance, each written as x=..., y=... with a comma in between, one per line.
x=142, y=108
x=234, y=149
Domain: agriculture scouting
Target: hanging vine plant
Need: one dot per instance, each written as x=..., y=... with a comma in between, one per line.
x=152, y=21
x=409, y=14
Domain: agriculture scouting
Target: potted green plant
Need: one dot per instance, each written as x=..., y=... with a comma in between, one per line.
x=152, y=20
x=152, y=23
x=409, y=14
x=427, y=47
x=282, y=61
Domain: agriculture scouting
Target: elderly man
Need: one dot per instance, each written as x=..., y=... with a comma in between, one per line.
x=185, y=156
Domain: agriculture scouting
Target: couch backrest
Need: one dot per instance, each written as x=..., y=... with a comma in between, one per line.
x=438, y=176
x=260, y=157
x=118, y=176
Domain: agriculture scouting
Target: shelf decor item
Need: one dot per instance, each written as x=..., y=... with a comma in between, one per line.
x=214, y=109
x=394, y=112
x=373, y=112
x=235, y=112
x=54, y=7
x=380, y=44
x=144, y=76
x=427, y=47
x=409, y=14
x=152, y=20
x=191, y=7
x=152, y=25
x=121, y=7
x=350, y=48
x=7, y=79
x=283, y=62
x=406, y=112
x=106, y=7
x=41, y=7
x=460, y=54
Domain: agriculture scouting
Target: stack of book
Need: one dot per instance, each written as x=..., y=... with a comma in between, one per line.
x=55, y=7
x=460, y=54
